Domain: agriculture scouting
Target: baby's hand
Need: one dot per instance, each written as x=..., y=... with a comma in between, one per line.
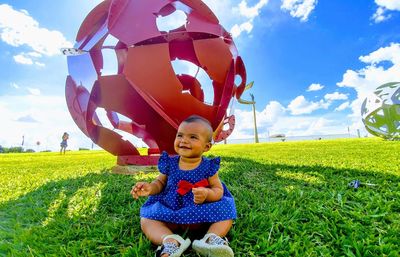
x=200, y=194
x=140, y=189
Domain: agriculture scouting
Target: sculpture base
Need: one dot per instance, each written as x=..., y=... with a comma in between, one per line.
x=133, y=164
x=139, y=160
x=133, y=169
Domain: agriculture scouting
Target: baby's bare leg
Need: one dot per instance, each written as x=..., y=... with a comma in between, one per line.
x=220, y=228
x=155, y=230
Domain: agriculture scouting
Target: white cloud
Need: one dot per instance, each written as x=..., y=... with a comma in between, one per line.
x=241, y=17
x=393, y=5
x=40, y=64
x=249, y=14
x=15, y=85
x=299, y=8
x=28, y=58
x=236, y=30
x=269, y=116
x=315, y=87
x=34, y=54
x=221, y=8
x=380, y=15
x=335, y=96
x=18, y=28
x=383, y=7
x=22, y=59
x=272, y=112
x=300, y=105
x=26, y=118
x=33, y=91
x=367, y=79
x=389, y=53
x=343, y=106
x=319, y=125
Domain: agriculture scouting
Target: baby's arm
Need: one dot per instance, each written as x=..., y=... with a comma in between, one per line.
x=146, y=189
x=211, y=194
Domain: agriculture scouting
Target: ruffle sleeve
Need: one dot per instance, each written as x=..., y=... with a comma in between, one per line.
x=214, y=166
x=164, y=163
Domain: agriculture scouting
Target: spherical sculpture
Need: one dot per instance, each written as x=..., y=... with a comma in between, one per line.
x=145, y=97
x=381, y=111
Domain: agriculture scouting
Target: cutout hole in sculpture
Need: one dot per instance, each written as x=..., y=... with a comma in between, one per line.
x=238, y=80
x=104, y=120
x=181, y=6
x=123, y=118
x=172, y=21
x=106, y=123
x=82, y=70
x=110, y=62
x=137, y=142
x=380, y=112
x=396, y=98
x=110, y=41
x=231, y=108
x=371, y=119
x=384, y=128
x=226, y=126
x=188, y=68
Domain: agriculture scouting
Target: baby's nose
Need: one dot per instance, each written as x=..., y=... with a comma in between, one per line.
x=184, y=139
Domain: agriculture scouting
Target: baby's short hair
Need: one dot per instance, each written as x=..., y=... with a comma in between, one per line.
x=197, y=118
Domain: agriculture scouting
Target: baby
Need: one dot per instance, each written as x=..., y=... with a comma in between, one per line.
x=187, y=194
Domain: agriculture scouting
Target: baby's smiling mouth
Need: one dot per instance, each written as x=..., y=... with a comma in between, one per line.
x=184, y=147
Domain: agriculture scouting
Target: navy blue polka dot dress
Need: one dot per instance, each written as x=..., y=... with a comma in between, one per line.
x=169, y=206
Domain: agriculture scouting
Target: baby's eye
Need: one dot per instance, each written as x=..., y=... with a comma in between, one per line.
x=178, y=135
x=193, y=137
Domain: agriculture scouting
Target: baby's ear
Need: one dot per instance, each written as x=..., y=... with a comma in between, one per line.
x=207, y=147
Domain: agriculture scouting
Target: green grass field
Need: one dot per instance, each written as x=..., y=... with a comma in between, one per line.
x=292, y=200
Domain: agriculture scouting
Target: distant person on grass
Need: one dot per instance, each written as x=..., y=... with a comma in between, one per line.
x=64, y=143
x=188, y=196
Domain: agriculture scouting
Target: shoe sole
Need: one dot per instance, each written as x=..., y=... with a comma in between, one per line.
x=208, y=250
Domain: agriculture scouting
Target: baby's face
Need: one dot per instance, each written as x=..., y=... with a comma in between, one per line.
x=192, y=139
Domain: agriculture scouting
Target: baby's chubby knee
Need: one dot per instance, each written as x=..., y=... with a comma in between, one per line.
x=149, y=224
x=223, y=223
x=145, y=223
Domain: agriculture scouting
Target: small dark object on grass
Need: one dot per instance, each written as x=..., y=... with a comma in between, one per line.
x=357, y=184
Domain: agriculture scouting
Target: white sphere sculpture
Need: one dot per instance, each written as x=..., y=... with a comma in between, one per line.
x=381, y=111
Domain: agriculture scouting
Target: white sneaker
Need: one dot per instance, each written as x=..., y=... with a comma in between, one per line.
x=212, y=245
x=172, y=249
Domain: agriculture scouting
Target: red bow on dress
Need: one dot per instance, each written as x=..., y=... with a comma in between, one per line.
x=185, y=186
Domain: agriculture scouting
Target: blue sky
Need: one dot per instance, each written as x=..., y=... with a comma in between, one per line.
x=313, y=63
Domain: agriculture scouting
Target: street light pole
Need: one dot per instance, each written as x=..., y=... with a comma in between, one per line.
x=254, y=118
x=253, y=103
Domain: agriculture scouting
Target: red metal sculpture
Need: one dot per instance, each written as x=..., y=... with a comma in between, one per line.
x=145, y=90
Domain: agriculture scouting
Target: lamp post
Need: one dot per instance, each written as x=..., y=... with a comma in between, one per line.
x=254, y=117
x=253, y=103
